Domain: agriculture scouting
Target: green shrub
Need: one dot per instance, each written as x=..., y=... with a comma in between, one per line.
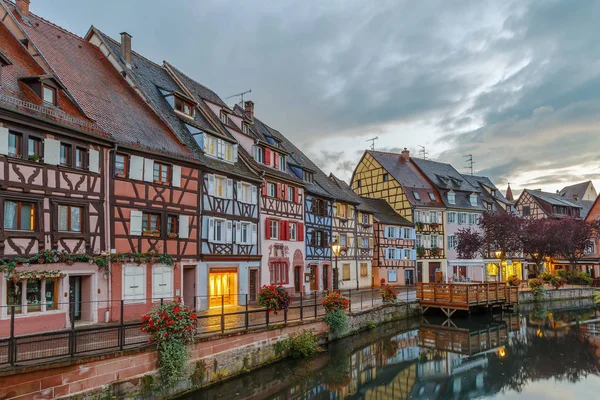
x=172, y=363
x=537, y=289
x=371, y=324
x=337, y=321
x=301, y=344
x=546, y=276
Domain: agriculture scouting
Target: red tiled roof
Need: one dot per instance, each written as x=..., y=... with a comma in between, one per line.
x=100, y=90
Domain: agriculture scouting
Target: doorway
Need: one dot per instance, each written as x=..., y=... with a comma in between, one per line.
x=313, y=278
x=420, y=271
x=297, y=279
x=409, y=277
x=325, y=277
x=75, y=297
x=433, y=266
x=189, y=285
x=253, y=285
x=222, y=287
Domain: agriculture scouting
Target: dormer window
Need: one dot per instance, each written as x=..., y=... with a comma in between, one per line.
x=184, y=107
x=245, y=128
x=416, y=196
x=473, y=199
x=223, y=117
x=308, y=177
x=49, y=94
x=493, y=192
x=451, y=197
x=431, y=196
x=219, y=148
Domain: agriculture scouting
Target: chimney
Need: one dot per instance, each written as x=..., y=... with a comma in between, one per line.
x=126, y=47
x=23, y=7
x=406, y=154
x=249, y=109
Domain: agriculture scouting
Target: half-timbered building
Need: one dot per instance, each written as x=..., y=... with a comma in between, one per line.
x=537, y=204
x=396, y=178
x=395, y=254
x=352, y=228
x=53, y=191
x=225, y=268
x=281, y=200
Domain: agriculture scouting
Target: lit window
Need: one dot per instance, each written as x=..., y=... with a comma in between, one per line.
x=162, y=173
x=69, y=218
x=80, y=157
x=49, y=95
x=14, y=144
x=65, y=154
x=34, y=148
x=172, y=224
x=19, y=215
x=121, y=161
x=151, y=223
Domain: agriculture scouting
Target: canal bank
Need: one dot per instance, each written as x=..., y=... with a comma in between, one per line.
x=570, y=293
x=214, y=359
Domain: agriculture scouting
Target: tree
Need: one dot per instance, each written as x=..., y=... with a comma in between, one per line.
x=540, y=240
x=502, y=231
x=574, y=238
x=470, y=243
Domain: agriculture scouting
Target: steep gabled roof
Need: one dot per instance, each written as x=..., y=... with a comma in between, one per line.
x=552, y=198
x=358, y=200
x=577, y=191
x=100, y=91
x=485, y=181
x=444, y=176
x=384, y=213
x=409, y=177
x=155, y=83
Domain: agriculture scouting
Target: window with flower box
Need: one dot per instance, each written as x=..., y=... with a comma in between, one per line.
x=151, y=224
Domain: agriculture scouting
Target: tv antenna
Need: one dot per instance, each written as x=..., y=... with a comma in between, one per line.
x=240, y=95
x=469, y=160
x=372, y=140
x=424, y=153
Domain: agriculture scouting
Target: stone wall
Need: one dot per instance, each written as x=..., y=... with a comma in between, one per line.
x=560, y=294
x=213, y=360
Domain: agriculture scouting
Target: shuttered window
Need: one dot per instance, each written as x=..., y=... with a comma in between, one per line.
x=162, y=282
x=134, y=283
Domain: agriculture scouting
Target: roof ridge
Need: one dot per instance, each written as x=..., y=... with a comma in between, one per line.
x=132, y=51
x=192, y=79
x=60, y=28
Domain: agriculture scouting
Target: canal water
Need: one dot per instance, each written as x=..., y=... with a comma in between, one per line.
x=539, y=352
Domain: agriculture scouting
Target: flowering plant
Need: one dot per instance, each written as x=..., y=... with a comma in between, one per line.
x=335, y=301
x=274, y=298
x=170, y=321
x=557, y=281
x=388, y=293
x=513, y=280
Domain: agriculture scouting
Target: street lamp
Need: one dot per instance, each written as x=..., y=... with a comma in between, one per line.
x=498, y=254
x=336, y=248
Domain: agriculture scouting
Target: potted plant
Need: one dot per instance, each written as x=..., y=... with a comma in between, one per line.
x=172, y=235
x=434, y=225
x=274, y=298
x=420, y=251
x=34, y=157
x=513, y=280
x=435, y=251
x=388, y=293
x=419, y=225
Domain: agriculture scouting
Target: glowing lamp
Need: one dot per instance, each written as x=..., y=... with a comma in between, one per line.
x=336, y=248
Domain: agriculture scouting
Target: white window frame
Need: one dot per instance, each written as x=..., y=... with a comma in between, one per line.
x=170, y=271
x=416, y=196
x=248, y=226
x=292, y=231
x=274, y=232
x=431, y=196
x=281, y=161
x=451, y=197
x=223, y=230
x=271, y=189
x=473, y=200
x=451, y=216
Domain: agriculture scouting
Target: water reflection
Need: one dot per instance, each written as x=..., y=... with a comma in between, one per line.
x=438, y=359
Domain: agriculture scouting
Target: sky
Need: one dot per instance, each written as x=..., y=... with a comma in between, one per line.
x=515, y=84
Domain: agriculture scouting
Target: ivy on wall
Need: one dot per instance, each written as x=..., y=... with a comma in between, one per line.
x=53, y=256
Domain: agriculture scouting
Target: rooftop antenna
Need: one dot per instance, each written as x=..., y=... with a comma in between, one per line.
x=424, y=153
x=240, y=95
x=372, y=140
x=469, y=160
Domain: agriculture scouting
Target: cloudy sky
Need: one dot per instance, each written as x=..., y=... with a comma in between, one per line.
x=514, y=83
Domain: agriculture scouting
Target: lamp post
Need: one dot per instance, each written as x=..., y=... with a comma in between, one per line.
x=498, y=254
x=336, y=248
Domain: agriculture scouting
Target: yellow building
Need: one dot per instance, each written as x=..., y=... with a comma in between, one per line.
x=396, y=179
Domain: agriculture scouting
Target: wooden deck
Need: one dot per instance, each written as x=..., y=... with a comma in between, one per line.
x=450, y=297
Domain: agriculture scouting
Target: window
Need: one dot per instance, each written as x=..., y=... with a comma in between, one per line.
x=228, y=151
x=364, y=269
x=245, y=128
x=358, y=183
x=366, y=220
x=80, y=157
x=343, y=241
x=224, y=117
x=471, y=218
x=151, y=223
x=219, y=148
x=451, y=217
x=416, y=195
x=489, y=207
x=308, y=177
x=473, y=200
x=462, y=218
x=65, y=154
x=162, y=173
x=258, y=154
x=526, y=211
x=319, y=239
x=278, y=273
x=14, y=144
x=271, y=189
x=69, y=218
x=172, y=224
x=281, y=160
x=432, y=196
x=19, y=215
x=49, y=95
x=184, y=107
x=452, y=241
x=346, y=272
x=244, y=192
x=121, y=161
x=319, y=207
x=134, y=283
x=451, y=197
x=419, y=241
x=274, y=225
x=342, y=210
x=392, y=253
x=34, y=147
x=220, y=230
x=291, y=194
x=220, y=186
x=244, y=233
x=386, y=177
x=292, y=231
x=406, y=232
x=364, y=243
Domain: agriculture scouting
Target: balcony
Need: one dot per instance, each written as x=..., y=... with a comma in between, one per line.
x=430, y=228
x=433, y=253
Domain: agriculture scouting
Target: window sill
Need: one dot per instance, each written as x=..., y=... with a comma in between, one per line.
x=146, y=234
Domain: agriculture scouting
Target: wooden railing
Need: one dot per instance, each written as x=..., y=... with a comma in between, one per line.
x=465, y=295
